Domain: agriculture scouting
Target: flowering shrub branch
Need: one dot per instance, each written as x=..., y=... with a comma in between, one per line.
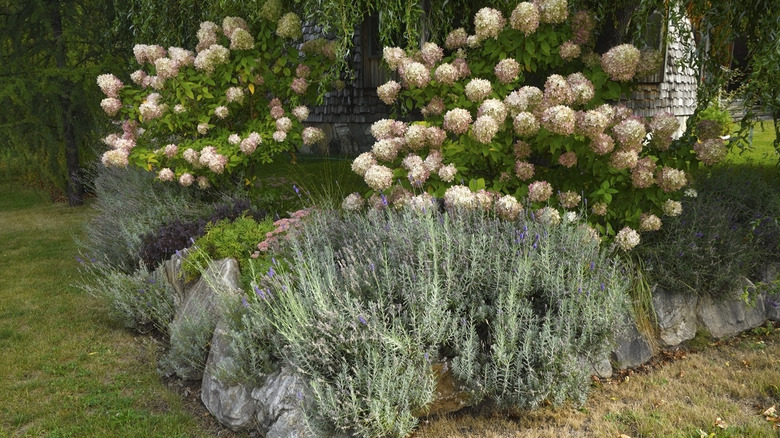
x=206, y=116
x=521, y=115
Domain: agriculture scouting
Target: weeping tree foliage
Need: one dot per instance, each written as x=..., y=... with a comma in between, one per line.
x=51, y=52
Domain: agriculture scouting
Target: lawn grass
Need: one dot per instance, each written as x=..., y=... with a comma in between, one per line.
x=67, y=369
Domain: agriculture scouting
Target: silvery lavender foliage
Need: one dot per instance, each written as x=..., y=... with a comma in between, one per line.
x=366, y=304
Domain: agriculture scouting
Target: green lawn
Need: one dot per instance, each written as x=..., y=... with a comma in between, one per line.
x=66, y=368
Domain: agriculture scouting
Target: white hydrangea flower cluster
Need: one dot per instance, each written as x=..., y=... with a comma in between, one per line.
x=627, y=238
x=525, y=18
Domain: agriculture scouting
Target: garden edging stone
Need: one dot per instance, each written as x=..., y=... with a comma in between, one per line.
x=732, y=315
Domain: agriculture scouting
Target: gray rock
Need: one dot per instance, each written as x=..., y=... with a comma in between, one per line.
x=772, y=301
x=676, y=314
x=632, y=349
x=731, y=315
x=196, y=318
x=280, y=404
x=232, y=405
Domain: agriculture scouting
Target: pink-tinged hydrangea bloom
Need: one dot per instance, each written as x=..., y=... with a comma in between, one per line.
x=283, y=124
x=525, y=124
x=672, y=208
x=622, y=112
x=526, y=98
x=192, y=156
x=624, y=159
x=524, y=170
x=456, y=39
x=620, y=62
x=662, y=128
x=221, y=112
x=484, y=129
x=473, y=41
x=148, y=53
x=431, y=53
x=557, y=90
x=569, y=50
x=170, y=150
x=385, y=149
x=421, y=203
x=582, y=88
x=209, y=58
x=138, y=77
x=207, y=35
x=299, y=85
x=626, y=239
x=289, y=26
x=186, y=179
x=353, y=202
x=643, y=174
x=433, y=161
x=279, y=136
x=460, y=197
x=382, y=129
x=415, y=137
x=109, y=85
x=388, y=92
x=671, y=180
x=457, y=121
x=234, y=94
x=493, y=108
x=249, y=144
x=463, y=67
x=508, y=208
x=215, y=161
x=418, y=175
x=312, y=135
x=711, y=151
x=630, y=133
x=181, y=57
x=363, y=162
x=203, y=182
x=478, y=90
x=446, y=74
x=548, y=216
x=301, y=112
x=151, y=108
x=488, y=23
x=569, y=199
x=435, y=136
x=525, y=18
x=522, y=150
x=154, y=82
x=435, y=107
x=241, y=39
x=166, y=174
x=203, y=128
x=582, y=25
x=379, y=177
x=277, y=112
x=649, y=222
x=110, y=140
x=559, y=119
x=302, y=71
x=484, y=199
x=568, y=159
x=608, y=111
x=599, y=209
x=394, y=57
x=552, y=11
x=115, y=158
x=591, y=123
x=447, y=173
x=602, y=144
x=179, y=108
x=539, y=191
x=507, y=70
x=166, y=68
x=111, y=105
x=415, y=74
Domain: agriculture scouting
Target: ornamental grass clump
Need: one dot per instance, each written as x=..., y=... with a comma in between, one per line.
x=208, y=117
x=364, y=306
x=526, y=101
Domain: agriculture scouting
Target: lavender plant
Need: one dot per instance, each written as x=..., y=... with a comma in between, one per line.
x=364, y=305
x=524, y=107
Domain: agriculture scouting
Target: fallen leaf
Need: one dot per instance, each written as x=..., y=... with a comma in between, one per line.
x=720, y=423
x=623, y=436
x=771, y=412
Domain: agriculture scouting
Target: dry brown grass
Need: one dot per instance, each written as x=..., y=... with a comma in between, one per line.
x=720, y=391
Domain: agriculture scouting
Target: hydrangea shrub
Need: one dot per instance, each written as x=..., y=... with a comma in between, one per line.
x=523, y=114
x=203, y=117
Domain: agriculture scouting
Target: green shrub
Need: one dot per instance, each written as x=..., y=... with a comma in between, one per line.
x=727, y=231
x=235, y=239
x=364, y=305
x=189, y=346
x=142, y=300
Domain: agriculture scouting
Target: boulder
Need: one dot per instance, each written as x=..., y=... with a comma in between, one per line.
x=632, y=349
x=171, y=269
x=232, y=405
x=449, y=396
x=676, y=315
x=279, y=403
x=772, y=301
x=731, y=315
